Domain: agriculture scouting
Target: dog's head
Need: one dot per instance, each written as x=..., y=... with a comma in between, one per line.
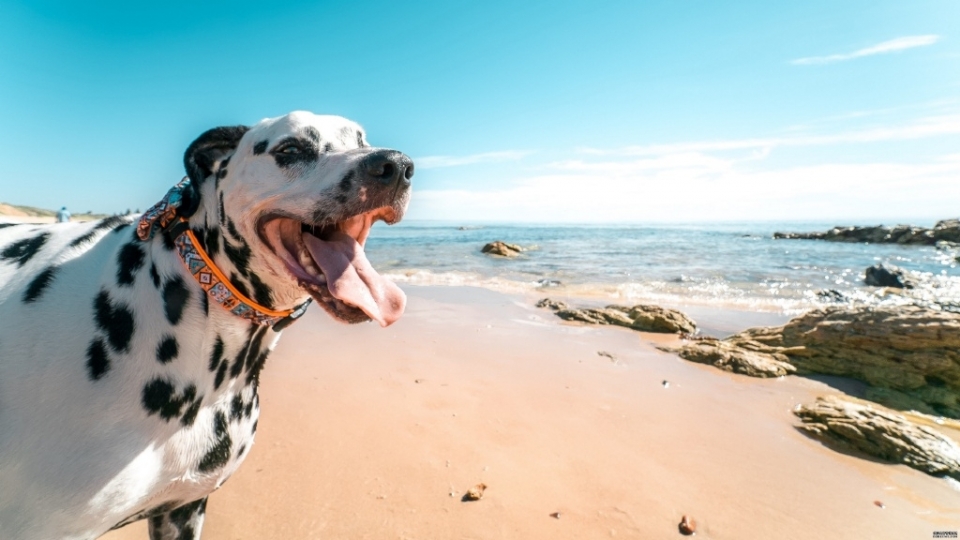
x=293, y=199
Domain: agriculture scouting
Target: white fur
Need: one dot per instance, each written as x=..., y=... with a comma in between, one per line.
x=79, y=456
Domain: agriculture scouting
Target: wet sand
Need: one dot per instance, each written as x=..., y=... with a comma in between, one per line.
x=377, y=433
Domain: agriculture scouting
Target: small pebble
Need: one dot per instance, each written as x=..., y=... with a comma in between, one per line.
x=688, y=526
x=475, y=493
x=879, y=504
x=555, y=515
x=666, y=384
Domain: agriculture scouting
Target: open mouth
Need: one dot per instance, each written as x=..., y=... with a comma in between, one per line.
x=328, y=262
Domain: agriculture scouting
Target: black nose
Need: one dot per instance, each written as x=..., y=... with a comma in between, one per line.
x=388, y=167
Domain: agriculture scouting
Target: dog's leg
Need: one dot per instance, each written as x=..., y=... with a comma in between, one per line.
x=183, y=523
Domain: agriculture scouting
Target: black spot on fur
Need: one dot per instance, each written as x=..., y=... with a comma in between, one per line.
x=241, y=450
x=167, y=349
x=216, y=355
x=98, y=362
x=248, y=410
x=205, y=304
x=129, y=261
x=38, y=284
x=175, y=297
x=312, y=132
x=328, y=147
x=232, y=229
x=24, y=250
x=221, y=374
x=154, y=276
x=304, y=152
x=160, y=397
x=112, y=222
x=239, y=256
x=236, y=407
x=261, y=293
x=253, y=344
x=347, y=181
x=168, y=242
x=253, y=429
x=121, y=227
x=222, y=173
x=253, y=375
x=219, y=455
x=116, y=320
x=190, y=415
x=260, y=148
x=239, y=285
x=223, y=214
x=213, y=242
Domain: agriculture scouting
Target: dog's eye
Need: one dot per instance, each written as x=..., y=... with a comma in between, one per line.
x=290, y=150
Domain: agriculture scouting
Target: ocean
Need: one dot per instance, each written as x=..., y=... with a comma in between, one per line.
x=727, y=265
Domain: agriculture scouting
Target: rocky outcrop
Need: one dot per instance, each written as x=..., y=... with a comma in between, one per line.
x=910, y=355
x=947, y=230
x=744, y=356
x=880, y=433
x=551, y=304
x=502, y=249
x=641, y=317
x=879, y=275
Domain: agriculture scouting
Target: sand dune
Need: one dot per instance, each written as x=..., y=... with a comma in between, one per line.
x=377, y=433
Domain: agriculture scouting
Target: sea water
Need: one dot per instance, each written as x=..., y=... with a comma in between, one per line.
x=732, y=265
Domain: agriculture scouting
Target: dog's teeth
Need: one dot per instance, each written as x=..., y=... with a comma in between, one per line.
x=305, y=259
x=322, y=279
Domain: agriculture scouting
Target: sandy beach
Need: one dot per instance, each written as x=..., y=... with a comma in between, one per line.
x=377, y=433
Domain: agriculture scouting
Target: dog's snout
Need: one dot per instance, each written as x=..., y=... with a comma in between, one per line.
x=388, y=167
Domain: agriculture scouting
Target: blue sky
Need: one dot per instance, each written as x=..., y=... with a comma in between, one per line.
x=537, y=111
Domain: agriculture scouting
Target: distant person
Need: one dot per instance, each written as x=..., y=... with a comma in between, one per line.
x=63, y=215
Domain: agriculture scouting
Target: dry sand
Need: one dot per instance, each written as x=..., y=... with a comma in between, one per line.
x=377, y=433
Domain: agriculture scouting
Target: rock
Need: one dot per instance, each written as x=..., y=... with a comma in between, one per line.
x=945, y=230
x=475, y=493
x=555, y=305
x=880, y=433
x=548, y=283
x=641, y=317
x=831, y=295
x=687, y=526
x=744, y=357
x=879, y=275
x=502, y=249
x=911, y=352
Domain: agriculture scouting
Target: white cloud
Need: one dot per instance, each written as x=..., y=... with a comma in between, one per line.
x=894, y=45
x=721, y=180
x=435, y=162
x=701, y=188
x=933, y=126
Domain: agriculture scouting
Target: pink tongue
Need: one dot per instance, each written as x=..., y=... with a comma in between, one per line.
x=352, y=279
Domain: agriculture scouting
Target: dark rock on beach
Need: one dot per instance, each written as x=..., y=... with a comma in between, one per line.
x=641, y=317
x=880, y=433
x=879, y=275
x=909, y=355
x=502, y=249
x=947, y=230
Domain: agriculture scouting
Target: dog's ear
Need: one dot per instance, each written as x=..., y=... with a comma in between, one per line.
x=201, y=156
x=208, y=149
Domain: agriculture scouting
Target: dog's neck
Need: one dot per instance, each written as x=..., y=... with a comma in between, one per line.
x=242, y=259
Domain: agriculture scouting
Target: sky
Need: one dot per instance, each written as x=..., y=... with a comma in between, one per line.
x=574, y=112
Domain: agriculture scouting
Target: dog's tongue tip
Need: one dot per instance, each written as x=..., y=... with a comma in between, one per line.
x=352, y=279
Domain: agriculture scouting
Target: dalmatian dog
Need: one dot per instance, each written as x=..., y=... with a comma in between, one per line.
x=131, y=349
